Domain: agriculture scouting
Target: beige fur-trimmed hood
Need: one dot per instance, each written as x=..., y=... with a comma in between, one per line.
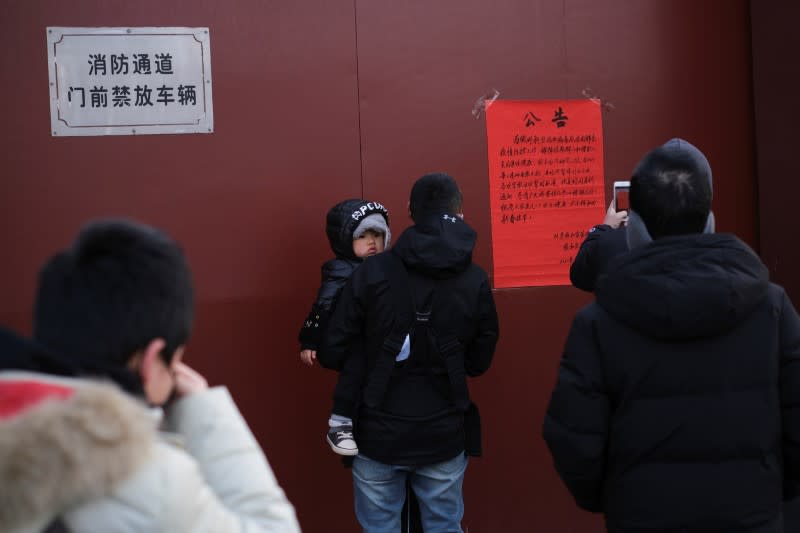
x=64, y=451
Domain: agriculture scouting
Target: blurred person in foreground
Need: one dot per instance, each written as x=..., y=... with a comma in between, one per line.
x=79, y=447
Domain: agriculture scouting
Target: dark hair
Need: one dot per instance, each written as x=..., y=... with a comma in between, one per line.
x=434, y=194
x=119, y=286
x=671, y=190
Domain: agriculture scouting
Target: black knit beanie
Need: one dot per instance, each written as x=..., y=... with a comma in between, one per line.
x=433, y=194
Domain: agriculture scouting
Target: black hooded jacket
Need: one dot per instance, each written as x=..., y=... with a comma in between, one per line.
x=416, y=422
x=677, y=406
x=341, y=222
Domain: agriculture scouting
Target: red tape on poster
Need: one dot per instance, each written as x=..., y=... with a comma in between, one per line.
x=546, y=186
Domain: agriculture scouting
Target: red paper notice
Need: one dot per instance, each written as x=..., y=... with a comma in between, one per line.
x=546, y=186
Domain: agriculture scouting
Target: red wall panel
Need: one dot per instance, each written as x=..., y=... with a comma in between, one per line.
x=247, y=202
x=669, y=69
x=775, y=77
x=317, y=101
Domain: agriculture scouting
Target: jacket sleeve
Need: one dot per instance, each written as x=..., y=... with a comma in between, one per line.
x=346, y=325
x=335, y=274
x=577, y=418
x=584, y=270
x=233, y=488
x=311, y=331
x=790, y=395
x=478, y=355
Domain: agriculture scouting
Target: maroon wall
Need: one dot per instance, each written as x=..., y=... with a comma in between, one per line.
x=320, y=100
x=776, y=75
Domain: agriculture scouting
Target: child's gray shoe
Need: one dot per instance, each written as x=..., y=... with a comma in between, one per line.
x=341, y=440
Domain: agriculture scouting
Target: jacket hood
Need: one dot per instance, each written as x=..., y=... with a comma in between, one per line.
x=439, y=246
x=684, y=287
x=342, y=221
x=64, y=442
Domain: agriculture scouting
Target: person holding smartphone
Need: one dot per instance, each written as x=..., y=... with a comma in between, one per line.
x=677, y=401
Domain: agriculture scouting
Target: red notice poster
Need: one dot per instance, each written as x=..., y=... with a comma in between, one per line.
x=546, y=186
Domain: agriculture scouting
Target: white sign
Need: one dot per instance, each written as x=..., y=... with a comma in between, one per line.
x=129, y=81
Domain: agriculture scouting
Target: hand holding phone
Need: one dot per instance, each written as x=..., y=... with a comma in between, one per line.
x=622, y=196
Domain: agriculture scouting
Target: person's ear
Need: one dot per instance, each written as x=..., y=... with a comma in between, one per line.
x=409, y=208
x=150, y=359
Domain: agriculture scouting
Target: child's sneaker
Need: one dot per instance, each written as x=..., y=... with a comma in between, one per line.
x=341, y=440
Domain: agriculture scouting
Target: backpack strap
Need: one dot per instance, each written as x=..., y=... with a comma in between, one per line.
x=399, y=289
x=409, y=314
x=378, y=380
x=453, y=354
x=449, y=348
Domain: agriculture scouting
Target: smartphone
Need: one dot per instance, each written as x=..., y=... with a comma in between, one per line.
x=621, y=195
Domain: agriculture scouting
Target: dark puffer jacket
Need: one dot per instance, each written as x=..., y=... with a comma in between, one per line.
x=341, y=222
x=601, y=245
x=677, y=406
x=416, y=422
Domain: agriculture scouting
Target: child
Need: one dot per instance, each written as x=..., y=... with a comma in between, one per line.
x=356, y=230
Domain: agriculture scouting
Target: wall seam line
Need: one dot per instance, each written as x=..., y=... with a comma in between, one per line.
x=358, y=98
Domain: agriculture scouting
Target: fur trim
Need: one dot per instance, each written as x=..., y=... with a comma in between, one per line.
x=64, y=452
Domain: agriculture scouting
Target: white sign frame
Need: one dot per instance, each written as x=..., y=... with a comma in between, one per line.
x=195, y=115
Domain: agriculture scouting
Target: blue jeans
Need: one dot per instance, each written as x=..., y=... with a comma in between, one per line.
x=380, y=491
